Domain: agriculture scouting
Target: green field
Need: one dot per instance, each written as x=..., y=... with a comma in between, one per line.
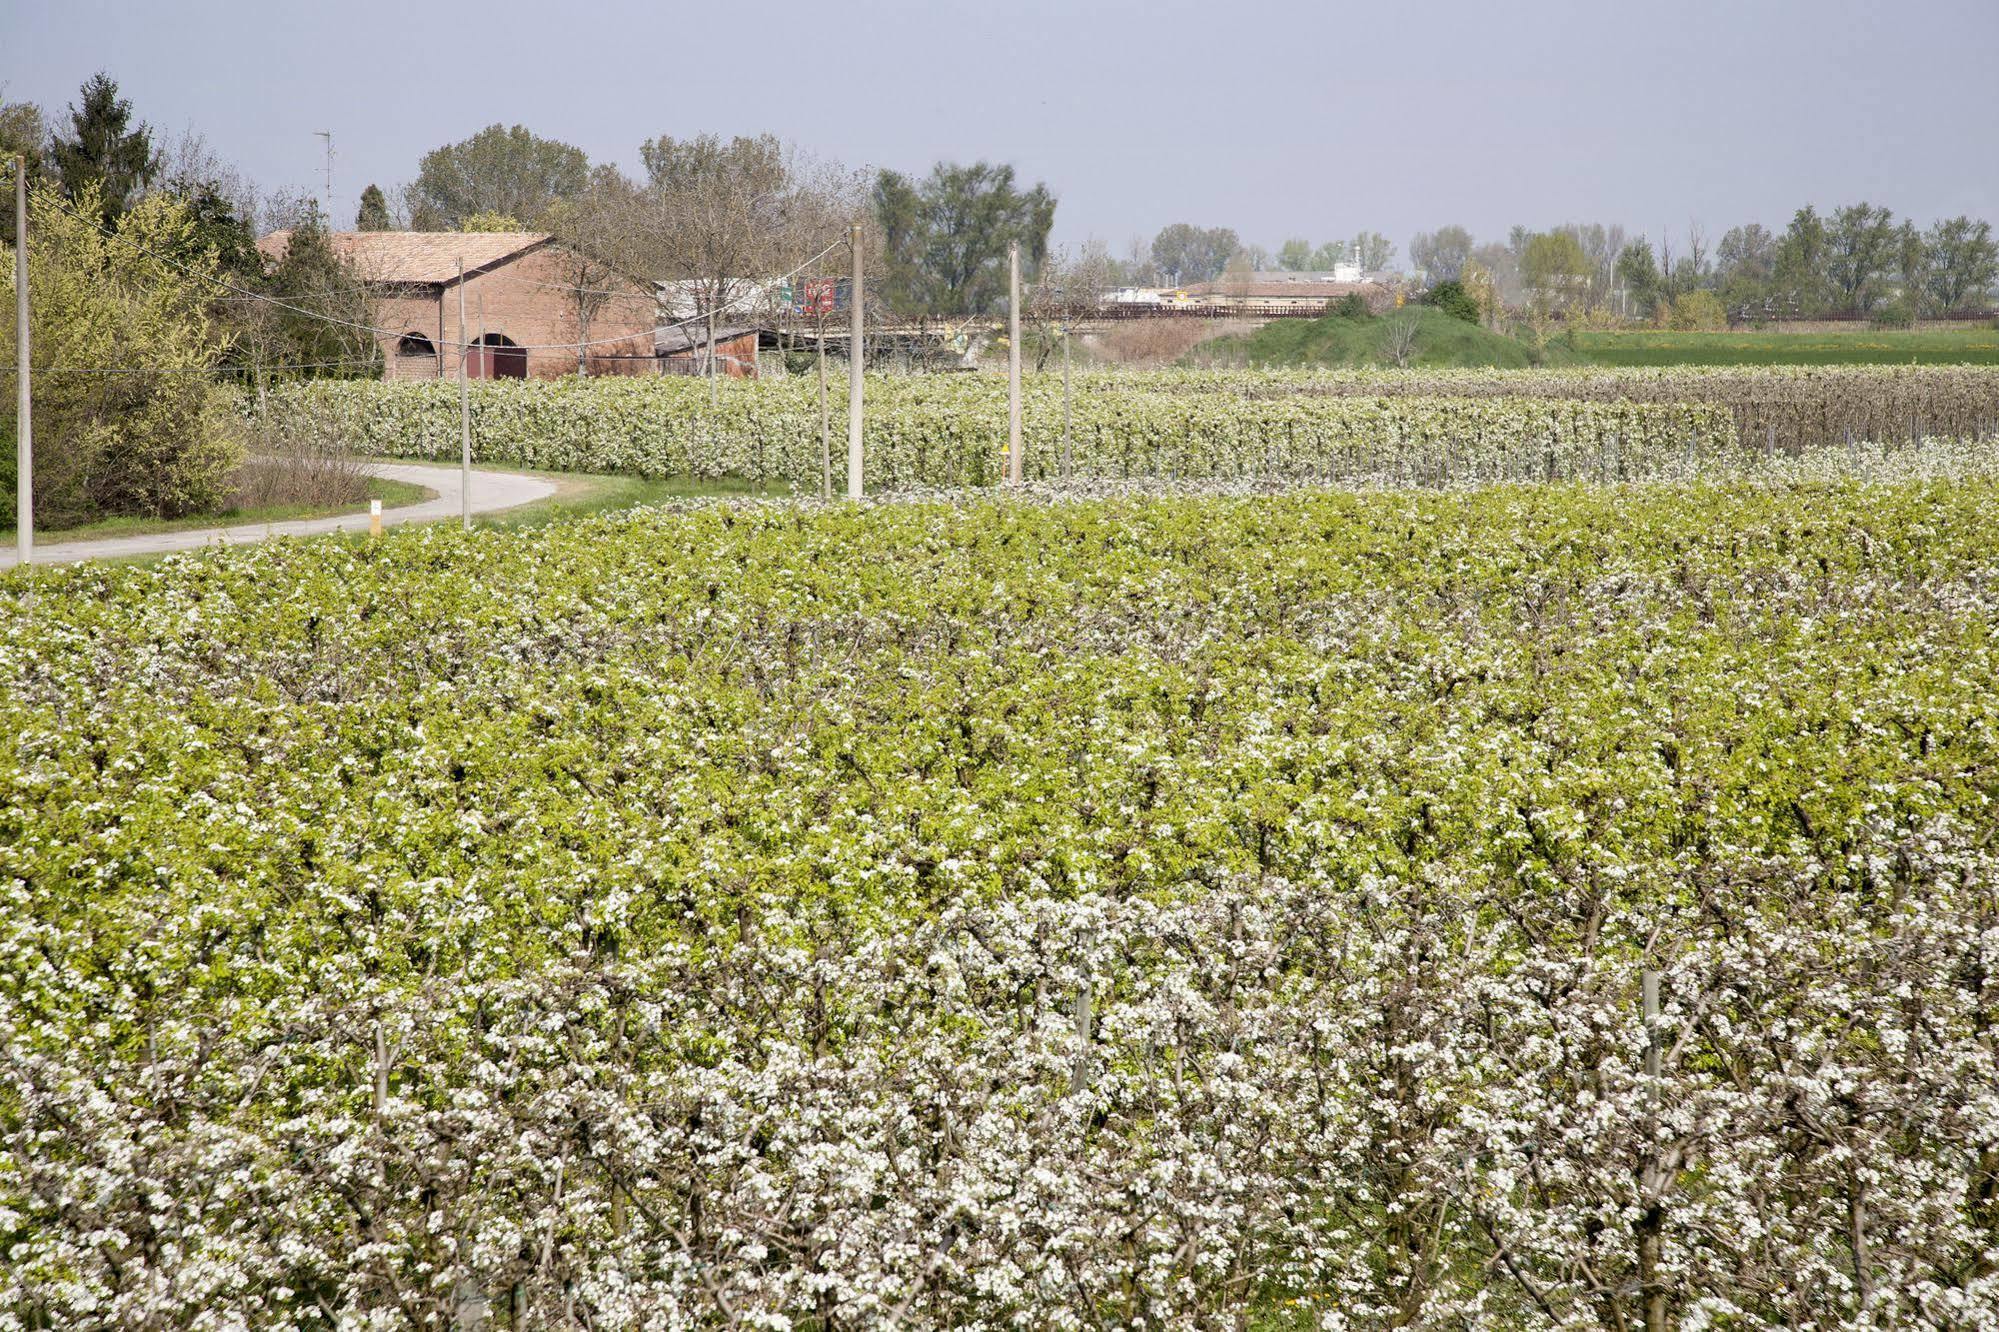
x=1974, y=345
x=1441, y=341
x=1444, y=342
x=1161, y=909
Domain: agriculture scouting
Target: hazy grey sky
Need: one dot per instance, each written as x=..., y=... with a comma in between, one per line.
x=1277, y=118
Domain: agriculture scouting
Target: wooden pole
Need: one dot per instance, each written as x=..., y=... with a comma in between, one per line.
x=464, y=414
x=856, y=354
x=1013, y=364
x=24, y=427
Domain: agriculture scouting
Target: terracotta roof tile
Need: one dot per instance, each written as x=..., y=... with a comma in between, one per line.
x=415, y=256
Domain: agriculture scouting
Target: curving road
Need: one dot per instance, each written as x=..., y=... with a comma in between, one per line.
x=491, y=492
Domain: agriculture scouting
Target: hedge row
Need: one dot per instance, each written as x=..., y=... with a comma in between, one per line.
x=952, y=431
x=1776, y=408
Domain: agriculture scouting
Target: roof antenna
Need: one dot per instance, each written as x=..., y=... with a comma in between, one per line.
x=328, y=136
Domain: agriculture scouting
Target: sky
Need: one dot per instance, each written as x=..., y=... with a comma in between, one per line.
x=1274, y=117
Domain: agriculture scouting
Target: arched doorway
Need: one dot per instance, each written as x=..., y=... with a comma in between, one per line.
x=497, y=356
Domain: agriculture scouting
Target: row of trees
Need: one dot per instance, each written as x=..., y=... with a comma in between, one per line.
x=724, y=216
x=1857, y=260
x=1182, y=253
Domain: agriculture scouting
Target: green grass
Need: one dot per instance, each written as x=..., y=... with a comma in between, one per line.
x=392, y=494
x=583, y=494
x=1978, y=345
x=1441, y=341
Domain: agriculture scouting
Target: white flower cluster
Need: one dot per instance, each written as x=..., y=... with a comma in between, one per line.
x=1144, y=910
x=951, y=431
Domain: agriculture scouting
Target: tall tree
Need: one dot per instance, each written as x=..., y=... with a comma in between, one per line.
x=725, y=217
x=1442, y=253
x=598, y=228
x=1295, y=254
x=1745, y=264
x=1554, y=267
x=23, y=133
x=104, y=156
x=1800, y=270
x=498, y=170
x=946, y=236
x=1860, y=248
x=1964, y=263
x=374, y=211
x=1376, y=251
x=313, y=330
x=1912, y=265
x=1186, y=253
x=1638, y=271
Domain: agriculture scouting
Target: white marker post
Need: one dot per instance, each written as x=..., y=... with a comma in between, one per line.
x=374, y=518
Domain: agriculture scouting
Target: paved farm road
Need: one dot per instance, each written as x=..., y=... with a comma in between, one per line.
x=491, y=492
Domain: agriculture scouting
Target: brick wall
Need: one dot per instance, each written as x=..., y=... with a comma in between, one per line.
x=520, y=300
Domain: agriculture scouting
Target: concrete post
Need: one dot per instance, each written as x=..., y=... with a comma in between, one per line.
x=856, y=355
x=1013, y=364
x=464, y=413
x=24, y=430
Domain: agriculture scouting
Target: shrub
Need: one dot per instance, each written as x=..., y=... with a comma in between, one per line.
x=1694, y=311
x=1353, y=305
x=1899, y=314
x=1452, y=298
x=152, y=437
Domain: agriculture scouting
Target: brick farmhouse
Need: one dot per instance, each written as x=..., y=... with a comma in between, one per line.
x=521, y=304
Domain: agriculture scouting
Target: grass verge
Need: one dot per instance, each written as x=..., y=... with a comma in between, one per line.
x=392, y=494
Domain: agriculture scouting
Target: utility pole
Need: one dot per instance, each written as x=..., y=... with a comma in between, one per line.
x=24, y=429
x=464, y=414
x=1013, y=363
x=856, y=354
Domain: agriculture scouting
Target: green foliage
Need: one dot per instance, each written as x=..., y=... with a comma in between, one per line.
x=217, y=230
x=1898, y=313
x=945, y=237
x=1698, y=310
x=498, y=170
x=1639, y=272
x=951, y=431
x=155, y=436
x=1860, y=250
x=1444, y=339
x=489, y=222
x=1554, y=267
x=373, y=215
x=689, y=877
x=318, y=327
x=23, y=133
x=1963, y=263
x=1184, y=253
x=1451, y=297
x=1968, y=345
x=104, y=157
x=1353, y=306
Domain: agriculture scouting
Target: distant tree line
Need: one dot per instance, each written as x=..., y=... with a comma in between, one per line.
x=1855, y=260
